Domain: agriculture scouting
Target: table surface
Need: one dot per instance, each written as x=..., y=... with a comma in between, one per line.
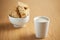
x=49, y=8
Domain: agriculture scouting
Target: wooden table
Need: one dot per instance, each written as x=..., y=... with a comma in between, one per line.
x=49, y=8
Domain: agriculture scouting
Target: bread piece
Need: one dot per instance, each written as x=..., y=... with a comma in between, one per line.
x=22, y=11
x=17, y=10
x=14, y=14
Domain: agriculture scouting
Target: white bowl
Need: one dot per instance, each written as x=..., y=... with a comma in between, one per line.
x=19, y=22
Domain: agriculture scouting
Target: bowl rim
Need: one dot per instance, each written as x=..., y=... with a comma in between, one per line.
x=17, y=18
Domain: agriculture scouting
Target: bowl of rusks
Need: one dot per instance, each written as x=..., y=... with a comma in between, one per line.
x=20, y=15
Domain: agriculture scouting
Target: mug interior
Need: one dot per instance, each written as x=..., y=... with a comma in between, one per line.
x=45, y=19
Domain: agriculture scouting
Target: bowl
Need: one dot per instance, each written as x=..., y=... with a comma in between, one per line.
x=18, y=22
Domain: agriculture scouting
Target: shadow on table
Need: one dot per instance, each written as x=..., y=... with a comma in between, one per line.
x=30, y=37
x=6, y=27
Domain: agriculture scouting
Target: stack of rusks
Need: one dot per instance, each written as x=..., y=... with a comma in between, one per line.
x=20, y=11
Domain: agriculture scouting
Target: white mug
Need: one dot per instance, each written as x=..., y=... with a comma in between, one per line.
x=41, y=24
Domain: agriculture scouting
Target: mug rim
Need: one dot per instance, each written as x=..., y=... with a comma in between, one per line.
x=45, y=17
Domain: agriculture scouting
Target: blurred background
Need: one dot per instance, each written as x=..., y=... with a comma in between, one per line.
x=49, y=8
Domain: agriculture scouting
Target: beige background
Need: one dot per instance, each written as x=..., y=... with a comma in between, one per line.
x=49, y=8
